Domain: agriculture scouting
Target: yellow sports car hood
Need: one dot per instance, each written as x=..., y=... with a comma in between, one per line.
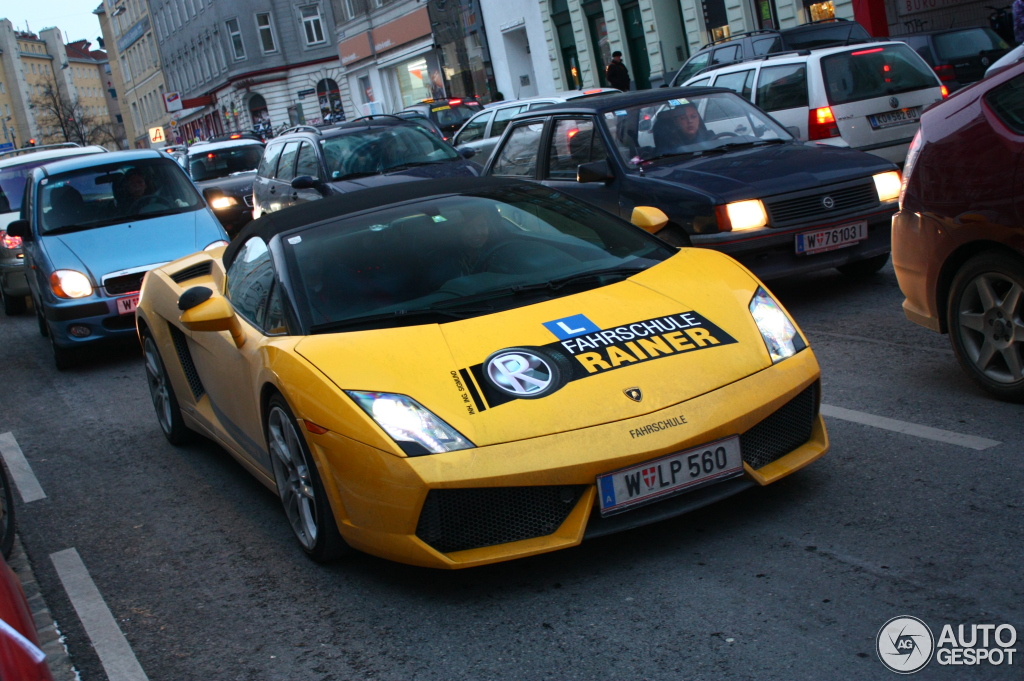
x=666, y=335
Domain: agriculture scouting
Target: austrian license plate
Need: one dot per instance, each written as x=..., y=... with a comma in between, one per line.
x=821, y=240
x=127, y=305
x=628, y=488
x=898, y=117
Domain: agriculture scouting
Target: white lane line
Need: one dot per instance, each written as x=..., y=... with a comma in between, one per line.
x=17, y=465
x=111, y=646
x=926, y=432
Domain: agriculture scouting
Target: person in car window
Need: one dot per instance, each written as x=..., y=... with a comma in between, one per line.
x=680, y=126
x=133, y=191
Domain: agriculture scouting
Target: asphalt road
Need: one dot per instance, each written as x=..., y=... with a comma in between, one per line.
x=197, y=563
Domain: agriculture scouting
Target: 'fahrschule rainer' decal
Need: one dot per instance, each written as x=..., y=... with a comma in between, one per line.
x=613, y=348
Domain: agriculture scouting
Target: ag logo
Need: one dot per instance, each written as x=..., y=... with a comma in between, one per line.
x=828, y=202
x=894, y=103
x=634, y=394
x=526, y=373
x=905, y=644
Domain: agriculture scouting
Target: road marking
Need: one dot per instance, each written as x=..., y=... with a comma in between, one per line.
x=21, y=472
x=111, y=646
x=926, y=432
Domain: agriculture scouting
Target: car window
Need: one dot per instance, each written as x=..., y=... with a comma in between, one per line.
x=537, y=105
x=268, y=165
x=209, y=165
x=13, y=179
x=838, y=33
x=502, y=117
x=378, y=150
x=740, y=82
x=782, y=87
x=925, y=52
x=286, y=166
x=573, y=142
x=518, y=157
x=250, y=280
x=691, y=68
x=874, y=72
x=725, y=55
x=1007, y=102
x=767, y=46
x=272, y=320
x=307, y=163
x=700, y=83
x=967, y=43
x=474, y=129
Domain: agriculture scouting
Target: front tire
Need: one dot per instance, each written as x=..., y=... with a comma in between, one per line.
x=299, y=487
x=865, y=267
x=63, y=358
x=165, y=402
x=984, y=317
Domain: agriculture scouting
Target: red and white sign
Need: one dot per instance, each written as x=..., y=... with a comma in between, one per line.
x=127, y=305
x=172, y=101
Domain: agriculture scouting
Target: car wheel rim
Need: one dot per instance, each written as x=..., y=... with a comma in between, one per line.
x=293, y=477
x=990, y=326
x=158, y=387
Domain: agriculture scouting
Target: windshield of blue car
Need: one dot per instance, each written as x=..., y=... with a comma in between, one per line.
x=685, y=126
x=378, y=150
x=112, y=193
x=210, y=165
x=459, y=256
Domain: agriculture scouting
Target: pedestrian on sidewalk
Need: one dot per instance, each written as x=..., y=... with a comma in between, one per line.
x=618, y=75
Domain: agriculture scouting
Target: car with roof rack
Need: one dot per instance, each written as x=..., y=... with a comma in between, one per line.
x=305, y=163
x=750, y=44
x=224, y=171
x=868, y=97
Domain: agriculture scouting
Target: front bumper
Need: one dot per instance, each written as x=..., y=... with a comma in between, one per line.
x=98, y=314
x=919, y=249
x=378, y=497
x=12, y=277
x=770, y=253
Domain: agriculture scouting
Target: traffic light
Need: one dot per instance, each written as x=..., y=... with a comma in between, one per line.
x=32, y=142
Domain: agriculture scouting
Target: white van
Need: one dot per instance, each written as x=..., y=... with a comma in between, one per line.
x=868, y=97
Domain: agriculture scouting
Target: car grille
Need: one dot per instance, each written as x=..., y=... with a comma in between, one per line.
x=460, y=519
x=193, y=272
x=187, y=365
x=128, y=283
x=782, y=432
x=785, y=211
x=248, y=200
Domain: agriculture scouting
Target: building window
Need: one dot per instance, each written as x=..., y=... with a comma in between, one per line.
x=312, y=24
x=350, y=9
x=235, y=37
x=265, y=28
x=125, y=71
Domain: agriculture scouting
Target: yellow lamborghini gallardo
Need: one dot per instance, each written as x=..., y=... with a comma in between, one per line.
x=451, y=373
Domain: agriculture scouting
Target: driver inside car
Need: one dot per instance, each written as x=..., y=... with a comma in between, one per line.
x=680, y=126
x=135, y=189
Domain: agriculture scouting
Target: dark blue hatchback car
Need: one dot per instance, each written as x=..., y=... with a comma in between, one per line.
x=727, y=175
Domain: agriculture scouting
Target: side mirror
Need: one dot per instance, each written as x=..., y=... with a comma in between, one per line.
x=649, y=218
x=794, y=131
x=305, y=182
x=202, y=311
x=595, y=171
x=466, y=152
x=20, y=228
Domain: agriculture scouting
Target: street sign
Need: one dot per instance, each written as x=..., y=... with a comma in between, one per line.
x=156, y=135
x=172, y=101
x=174, y=124
x=302, y=93
x=6, y=146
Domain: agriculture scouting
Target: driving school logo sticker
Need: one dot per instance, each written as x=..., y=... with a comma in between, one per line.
x=522, y=372
x=904, y=644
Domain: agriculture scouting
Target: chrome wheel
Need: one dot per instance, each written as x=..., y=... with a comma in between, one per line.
x=158, y=387
x=990, y=326
x=294, y=483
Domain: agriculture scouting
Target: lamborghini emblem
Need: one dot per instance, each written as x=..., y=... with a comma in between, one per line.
x=634, y=394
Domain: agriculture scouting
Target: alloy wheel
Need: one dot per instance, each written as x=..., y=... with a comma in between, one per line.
x=158, y=387
x=293, y=477
x=990, y=326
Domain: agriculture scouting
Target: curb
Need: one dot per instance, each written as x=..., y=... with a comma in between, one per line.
x=51, y=641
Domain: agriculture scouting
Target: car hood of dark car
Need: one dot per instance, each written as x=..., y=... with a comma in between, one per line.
x=427, y=172
x=234, y=185
x=765, y=171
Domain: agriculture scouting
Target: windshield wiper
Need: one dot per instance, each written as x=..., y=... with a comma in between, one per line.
x=672, y=155
x=403, y=166
x=399, y=315
x=732, y=146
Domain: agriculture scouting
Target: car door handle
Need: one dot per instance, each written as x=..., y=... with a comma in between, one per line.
x=273, y=190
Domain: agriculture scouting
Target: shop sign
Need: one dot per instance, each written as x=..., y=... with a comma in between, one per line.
x=133, y=34
x=907, y=7
x=355, y=48
x=400, y=31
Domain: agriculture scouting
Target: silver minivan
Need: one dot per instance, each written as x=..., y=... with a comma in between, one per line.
x=868, y=97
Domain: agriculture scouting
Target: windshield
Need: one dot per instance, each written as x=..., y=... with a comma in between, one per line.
x=369, y=152
x=448, y=116
x=459, y=256
x=874, y=72
x=690, y=125
x=839, y=33
x=108, y=194
x=970, y=43
x=209, y=165
x=12, y=182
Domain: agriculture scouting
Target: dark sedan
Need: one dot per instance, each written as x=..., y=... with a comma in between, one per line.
x=224, y=171
x=728, y=176
x=959, y=56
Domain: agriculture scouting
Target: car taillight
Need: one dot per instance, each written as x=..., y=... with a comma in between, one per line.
x=8, y=241
x=945, y=91
x=453, y=102
x=821, y=124
x=945, y=72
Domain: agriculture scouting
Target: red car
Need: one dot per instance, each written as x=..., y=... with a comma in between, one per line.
x=958, y=239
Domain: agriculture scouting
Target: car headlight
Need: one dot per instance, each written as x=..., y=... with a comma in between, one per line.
x=740, y=215
x=778, y=332
x=70, y=284
x=411, y=425
x=888, y=185
x=220, y=243
x=222, y=202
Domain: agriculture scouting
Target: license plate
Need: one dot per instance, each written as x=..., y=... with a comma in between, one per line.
x=628, y=488
x=127, y=305
x=898, y=117
x=821, y=240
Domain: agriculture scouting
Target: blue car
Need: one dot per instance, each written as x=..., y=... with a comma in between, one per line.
x=92, y=227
